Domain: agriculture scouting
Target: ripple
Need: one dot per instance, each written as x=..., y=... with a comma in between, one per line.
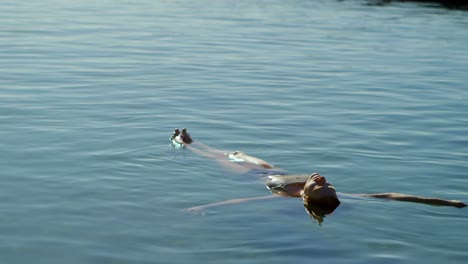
x=371, y=96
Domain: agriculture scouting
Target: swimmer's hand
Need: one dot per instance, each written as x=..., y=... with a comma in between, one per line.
x=196, y=210
x=201, y=210
x=417, y=199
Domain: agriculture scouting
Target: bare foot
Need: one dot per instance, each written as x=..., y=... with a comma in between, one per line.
x=175, y=134
x=180, y=139
x=186, y=137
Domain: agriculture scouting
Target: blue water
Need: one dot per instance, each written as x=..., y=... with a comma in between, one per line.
x=374, y=97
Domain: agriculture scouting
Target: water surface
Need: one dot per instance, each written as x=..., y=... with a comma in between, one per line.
x=373, y=97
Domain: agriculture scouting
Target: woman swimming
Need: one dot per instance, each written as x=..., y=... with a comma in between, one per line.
x=319, y=196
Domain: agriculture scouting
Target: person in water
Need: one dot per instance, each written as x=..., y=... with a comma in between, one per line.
x=319, y=197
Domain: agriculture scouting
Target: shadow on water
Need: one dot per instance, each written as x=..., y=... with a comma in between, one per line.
x=449, y=4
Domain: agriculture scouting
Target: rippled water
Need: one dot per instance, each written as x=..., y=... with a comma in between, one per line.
x=372, y=96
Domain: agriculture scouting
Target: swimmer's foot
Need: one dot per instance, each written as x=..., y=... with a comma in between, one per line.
x=179, y=139
x=186, y=136
x=175, y=134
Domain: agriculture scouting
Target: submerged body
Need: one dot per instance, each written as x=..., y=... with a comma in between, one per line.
x=319, y=196
x=287, y=185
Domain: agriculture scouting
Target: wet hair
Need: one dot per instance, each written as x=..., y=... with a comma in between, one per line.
x=325, y=205
x=318, y=209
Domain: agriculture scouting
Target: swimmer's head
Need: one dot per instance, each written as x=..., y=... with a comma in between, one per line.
x=319, y=197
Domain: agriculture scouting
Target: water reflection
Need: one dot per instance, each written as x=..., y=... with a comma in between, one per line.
x=451, y=4
x=318, y=213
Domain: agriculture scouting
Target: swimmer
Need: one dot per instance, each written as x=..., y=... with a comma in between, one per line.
x=319, y=197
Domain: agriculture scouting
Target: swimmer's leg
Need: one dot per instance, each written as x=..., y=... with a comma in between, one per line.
x=241, y=156
x=212, y=153
x=236, y=161
x=222, y=157
x=219, y=157
x=184, y=139
x=209, y=149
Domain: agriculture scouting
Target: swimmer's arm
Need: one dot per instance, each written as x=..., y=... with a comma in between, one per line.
x=201, y=208
x=416, y=199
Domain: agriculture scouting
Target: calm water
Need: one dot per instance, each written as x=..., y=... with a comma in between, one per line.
x=373, y=97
